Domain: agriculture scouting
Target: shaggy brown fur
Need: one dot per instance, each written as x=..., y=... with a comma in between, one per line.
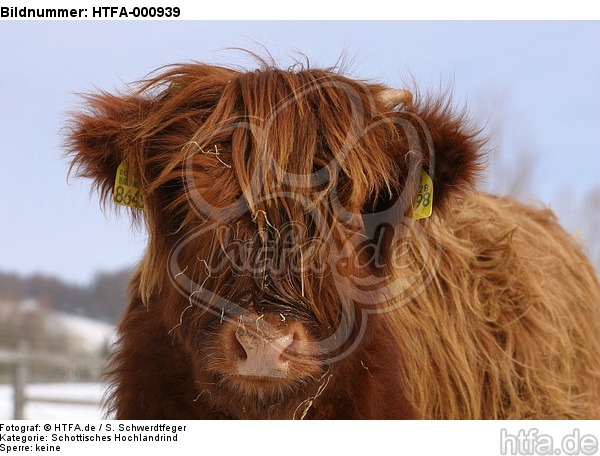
x=276, y=202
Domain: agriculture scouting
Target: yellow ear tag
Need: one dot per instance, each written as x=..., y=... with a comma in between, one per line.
x=424, y=201
x=127, y=190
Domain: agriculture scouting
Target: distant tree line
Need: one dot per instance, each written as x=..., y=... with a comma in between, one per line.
x=104, y=298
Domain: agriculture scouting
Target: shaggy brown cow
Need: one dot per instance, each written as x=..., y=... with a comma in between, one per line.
x=293, y=269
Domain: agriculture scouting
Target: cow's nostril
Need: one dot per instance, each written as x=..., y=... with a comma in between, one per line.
x=239, y=352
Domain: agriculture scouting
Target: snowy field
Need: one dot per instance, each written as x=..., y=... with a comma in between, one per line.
x=51, y=411
x=89, y=336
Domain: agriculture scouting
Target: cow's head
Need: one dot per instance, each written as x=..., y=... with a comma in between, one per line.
x=280, y=212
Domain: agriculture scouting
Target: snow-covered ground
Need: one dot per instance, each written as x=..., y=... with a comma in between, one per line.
x=51, y=411
x=86, y=336
x=90, y=334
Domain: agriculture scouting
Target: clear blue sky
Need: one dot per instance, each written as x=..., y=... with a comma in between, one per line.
x=539, y=80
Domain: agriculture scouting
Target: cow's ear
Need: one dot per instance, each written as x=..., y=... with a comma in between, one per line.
x=454, y=150
x=436, y=142
x=104, y=134
x=438, y=155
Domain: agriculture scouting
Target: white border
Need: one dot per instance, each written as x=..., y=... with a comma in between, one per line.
x=345, y=9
